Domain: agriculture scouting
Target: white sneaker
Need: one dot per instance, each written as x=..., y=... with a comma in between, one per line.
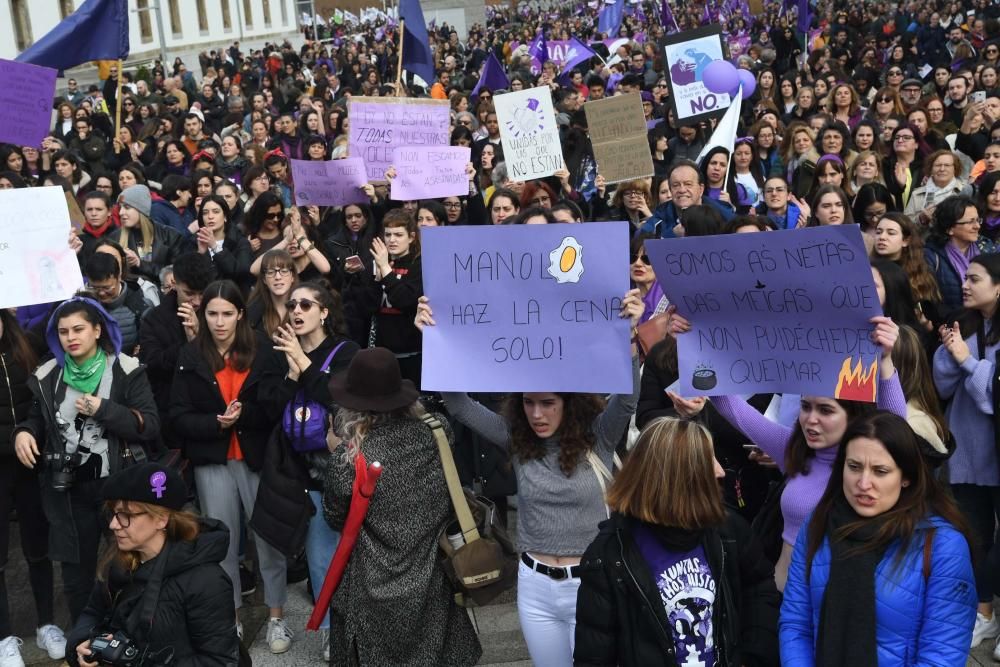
x=10, y=652
x=986, y=628
x=279, y=637
x=996, y=651
x=51, y=640
x=325, y=637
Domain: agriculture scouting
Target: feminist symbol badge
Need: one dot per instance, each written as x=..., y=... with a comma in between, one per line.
x=158, y=482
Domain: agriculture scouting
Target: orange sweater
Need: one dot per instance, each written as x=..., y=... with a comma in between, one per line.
x=230, y=383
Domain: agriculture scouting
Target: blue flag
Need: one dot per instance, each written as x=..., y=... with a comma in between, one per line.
x=417, y=56
x=493, y=77
x=98, y=30
x=610, y=18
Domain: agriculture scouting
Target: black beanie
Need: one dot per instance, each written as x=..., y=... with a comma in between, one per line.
x=149, y=483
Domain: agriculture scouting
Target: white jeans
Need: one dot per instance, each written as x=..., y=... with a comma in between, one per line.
x=547, y=611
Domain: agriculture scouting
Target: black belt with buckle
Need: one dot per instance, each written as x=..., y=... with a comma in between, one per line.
x=556, y=572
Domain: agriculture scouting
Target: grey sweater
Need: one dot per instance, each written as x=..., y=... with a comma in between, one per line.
x=557, y=515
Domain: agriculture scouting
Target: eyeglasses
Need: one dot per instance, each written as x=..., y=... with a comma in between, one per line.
x=305, y=304
x=107, y=290
x=874, y=215
x=124, y=519
x=904, y=137
x=453, y=204
x=272, y=216
x=975, y=222
x=633, y=193
x=884, y=100
x=541, y=200
x=895, y=72
x=283, y=272
x=644, y=258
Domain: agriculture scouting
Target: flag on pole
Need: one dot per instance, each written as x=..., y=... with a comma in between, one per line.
x=610, y=18
x=725, y=131
x=417, y=56
x=576, y=53
x=98, y=30
x=493, y=77
x=667, y=17
x=539, y=49
x=805, y=16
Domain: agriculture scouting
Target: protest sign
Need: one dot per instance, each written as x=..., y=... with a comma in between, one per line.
x=381, y=124
x=687, y=54
x=529, y=133
x=26, y=112
x=429, y=172
x=526, y=308
x=332, y=183
x=784, y=312
x=617, y=128
x=36, y=263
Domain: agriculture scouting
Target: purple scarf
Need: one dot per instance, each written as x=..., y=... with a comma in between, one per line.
x=960, y=260
x=651, y=301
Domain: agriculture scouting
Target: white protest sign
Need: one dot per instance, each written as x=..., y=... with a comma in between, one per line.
x=36, y=263
x=529, y=133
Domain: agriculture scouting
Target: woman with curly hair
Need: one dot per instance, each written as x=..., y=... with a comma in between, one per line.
x=562, y=446
x=898, y=240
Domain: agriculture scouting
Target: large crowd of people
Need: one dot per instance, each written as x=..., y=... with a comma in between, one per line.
x=233, y=356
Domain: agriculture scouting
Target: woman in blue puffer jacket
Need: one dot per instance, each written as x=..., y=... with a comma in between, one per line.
x=882, y=574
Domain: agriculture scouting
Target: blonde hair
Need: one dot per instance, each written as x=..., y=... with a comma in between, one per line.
x=669, y=478
x=144, y=243
x=353, y=426
x=181, y=527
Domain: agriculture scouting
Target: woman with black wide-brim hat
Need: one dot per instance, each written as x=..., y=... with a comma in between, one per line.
x=394, y=604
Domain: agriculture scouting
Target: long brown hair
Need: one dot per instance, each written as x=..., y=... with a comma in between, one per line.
x=241, y=354
x=910, y=360
x=669, y=477
x=920, y=498
x=922, y=281
x=272, y=259
x=574, y=433
x=798, y=454
x=181, y=527
x=14, y=338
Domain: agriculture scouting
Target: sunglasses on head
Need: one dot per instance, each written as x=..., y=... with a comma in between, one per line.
x=305, y=304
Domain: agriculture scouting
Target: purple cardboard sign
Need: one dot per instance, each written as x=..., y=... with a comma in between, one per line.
x=380, y=124
x=783, y=312
x=26, y=113
x=332, y=183
x=424, y=172
x=527, y=308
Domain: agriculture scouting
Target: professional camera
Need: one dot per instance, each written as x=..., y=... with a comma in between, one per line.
x=116, y=650
x=63, y=468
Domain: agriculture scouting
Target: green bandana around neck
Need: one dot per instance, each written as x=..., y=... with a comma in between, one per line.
x=85, y=377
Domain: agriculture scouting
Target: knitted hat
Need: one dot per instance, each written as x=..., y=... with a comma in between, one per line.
x=149, y=483
x=137, y=197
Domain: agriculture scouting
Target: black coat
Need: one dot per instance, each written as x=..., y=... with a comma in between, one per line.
x=195, y=402
x=283, y=509
x=621, y=619
x=168, y=245
x=234, y=260
x=359, y=290
x=161, y=338
x=15, y=397
x=193, y=614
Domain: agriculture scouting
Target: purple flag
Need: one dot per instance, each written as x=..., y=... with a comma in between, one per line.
x=577, y=53
x=493, y=77
x=539, y=49
x=610, y=18
x=805, y=16
x=667, y=17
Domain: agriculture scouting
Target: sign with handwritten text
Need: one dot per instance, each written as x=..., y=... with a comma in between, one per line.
x=529, y=133
x=782, y=312
x=617, y=128
x=26, y=112
x=378, y=125
x=330, y=183
x=527, y=308
x=427, y=172
x=36, y=263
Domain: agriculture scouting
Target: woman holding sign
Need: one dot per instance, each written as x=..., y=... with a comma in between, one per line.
x=562, y=447
x=806, y=451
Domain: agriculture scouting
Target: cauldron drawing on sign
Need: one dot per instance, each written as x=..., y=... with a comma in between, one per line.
x=703, y=378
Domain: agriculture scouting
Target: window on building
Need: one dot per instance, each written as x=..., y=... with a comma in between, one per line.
x=66, y=7
x=266, y=4
x=227, y=19
x=202, y=17
x=145, y=23
x=247, y=13
x=175, y=18
x=22, y=24
x=284, y=12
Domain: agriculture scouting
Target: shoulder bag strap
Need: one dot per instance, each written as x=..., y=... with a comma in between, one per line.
x=458, y=501
x=603, y=476
x=329, y=359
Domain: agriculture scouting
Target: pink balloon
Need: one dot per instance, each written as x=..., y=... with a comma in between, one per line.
x=720, y=77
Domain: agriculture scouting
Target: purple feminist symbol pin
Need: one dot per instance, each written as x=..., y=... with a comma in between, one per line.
x=158, y=482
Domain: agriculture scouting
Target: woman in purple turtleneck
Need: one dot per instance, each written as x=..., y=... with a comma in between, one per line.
x=806, y=452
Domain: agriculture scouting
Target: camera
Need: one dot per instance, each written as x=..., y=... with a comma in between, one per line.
x=64, y=469
x=116, y=650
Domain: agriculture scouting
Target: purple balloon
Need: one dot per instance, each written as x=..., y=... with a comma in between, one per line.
x=749, y=83
x=720, y=77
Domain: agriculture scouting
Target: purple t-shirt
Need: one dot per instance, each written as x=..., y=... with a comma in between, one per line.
x=687, y=590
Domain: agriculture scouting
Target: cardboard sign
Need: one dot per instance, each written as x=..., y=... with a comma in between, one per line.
x=331, y=183
x=773, y=312
x=617, y=130
x=529, y=133
x=527, y=308
x=36, y=263
x=26, y=112
x=379, y=125
x=427, y=173
x=687, y=55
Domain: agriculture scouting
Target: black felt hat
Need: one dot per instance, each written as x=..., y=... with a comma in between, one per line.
x=372, y=383
x=149, y=483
